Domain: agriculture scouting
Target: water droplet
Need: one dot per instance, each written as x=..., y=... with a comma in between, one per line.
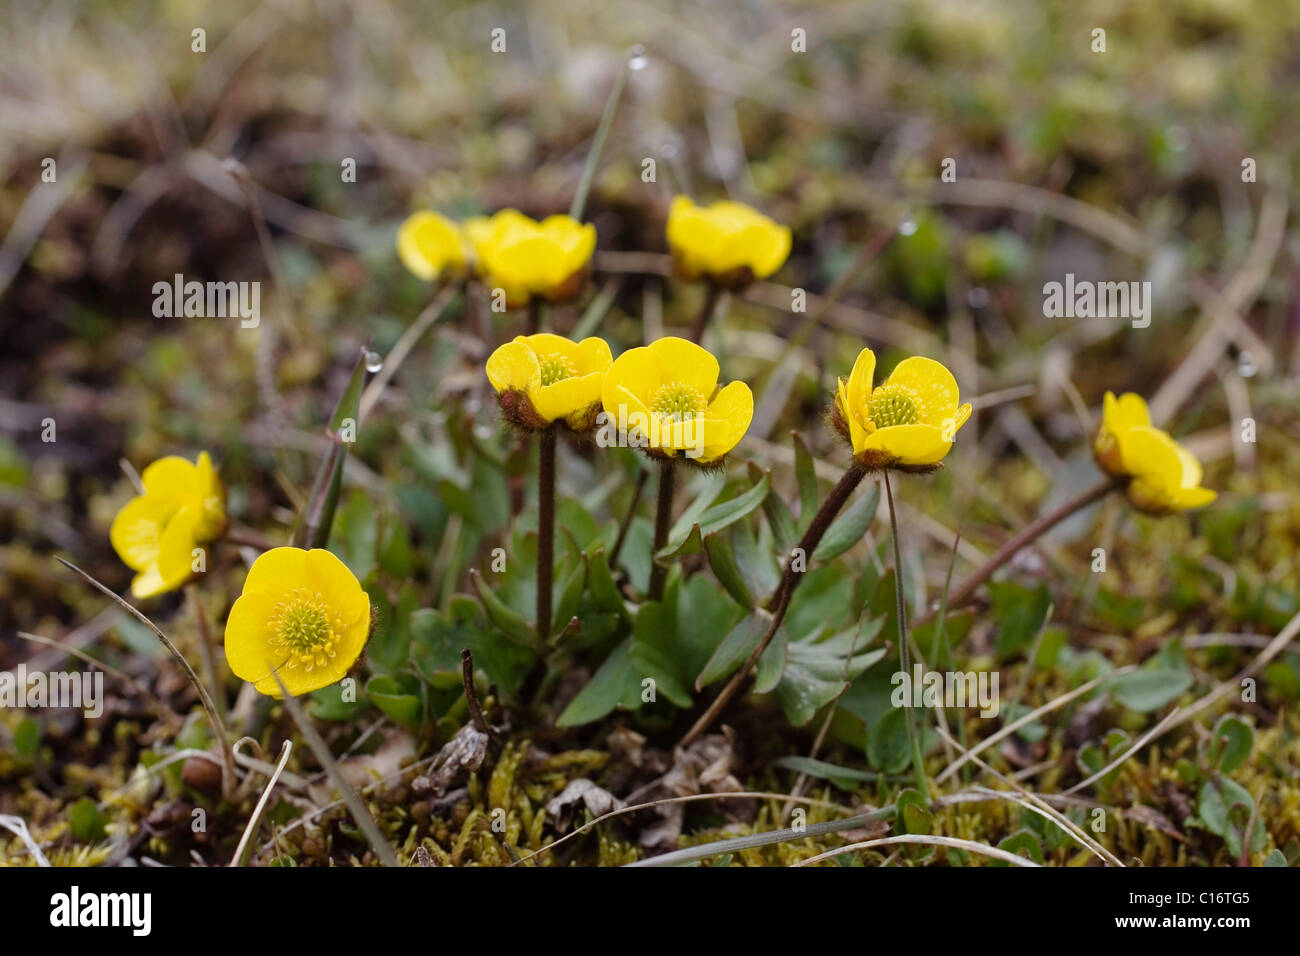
x=907, y=227
x=374, y=361
x=977, y=297
x=483, y=432
x=636, y=58
x=1246, y=366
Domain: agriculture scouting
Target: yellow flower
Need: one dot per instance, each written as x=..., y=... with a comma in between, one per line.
x=665, y=398
x=728, y=241
x=431, y=245
x=303, y=615
x=527, y=258
x=1166, y=477
x=908, y=422
x=155, y=533
x=544, y=378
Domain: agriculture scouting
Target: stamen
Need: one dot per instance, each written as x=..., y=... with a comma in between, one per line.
x=894, y=405
x=556, y=368
x=677, y=402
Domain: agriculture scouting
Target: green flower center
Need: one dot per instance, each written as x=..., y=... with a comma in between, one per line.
x=556, y=368
x=677, y=401
x=305, y=626
x=894, y=405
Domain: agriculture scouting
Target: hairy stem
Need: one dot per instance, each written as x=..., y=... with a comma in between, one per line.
x=545, y=533
x=663, y=522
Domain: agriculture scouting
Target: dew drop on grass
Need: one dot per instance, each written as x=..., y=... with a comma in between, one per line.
x=1246, y=366
x=907, y=227
x=374, y=361
x=636, y=58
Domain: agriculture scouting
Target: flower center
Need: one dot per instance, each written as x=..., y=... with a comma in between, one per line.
x=894, y=405
x=677, y=401
x=556, y=368
x=305, y=627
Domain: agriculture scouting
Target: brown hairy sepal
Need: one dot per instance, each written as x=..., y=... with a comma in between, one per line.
x=519, y=412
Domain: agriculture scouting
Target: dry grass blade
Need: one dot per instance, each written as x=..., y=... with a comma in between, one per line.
x=1028, y=718
x=969, y=845
x=238, y=859
x=378, y=842
x=218, y=728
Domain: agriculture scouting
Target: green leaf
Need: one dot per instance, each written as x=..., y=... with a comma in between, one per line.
x=600, y=583
x=87, y=824
x=806, y=475
x=779, y=518
x=771, y=663
x=757, y=566
x=328, y=704
x=846, y=778
x=390, y=645
x=851, y=524
x=512, y=626
x=27, y=738
x=1219, y=798
x=616, y=684
x=734, y=648
x=1146, y=690
x=652, y=651
x=722, y=559
x=887, y=743
x=1276, y=858
x=1233, y=741
x=703, y=613
x=570, y=588
x=1019, y=612
x=1022, y=843
x=437, y=638
x=395, y=700
x=913, y=813
x=686, y=539
x=817, y=669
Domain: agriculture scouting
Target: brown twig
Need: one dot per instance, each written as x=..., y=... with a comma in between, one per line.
x=1020, y=540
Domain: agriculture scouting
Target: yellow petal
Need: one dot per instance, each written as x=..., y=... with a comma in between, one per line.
x=958, y=419
x=638, y=372
x=593, y=355
x=933, y=383
x=248, y=633
x=138, y=528
x=1127, y=411
x=277, y=571
x=548, y=343
x=909, y=444
x=513, y=366
x=335, y=582
x=176, y=547
x=429, y=244
x=683, y=361
x=563, y=398
x=149, y=583
x=727, y=419
x=172, y=475
x=857, y=434
x=859, y=388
